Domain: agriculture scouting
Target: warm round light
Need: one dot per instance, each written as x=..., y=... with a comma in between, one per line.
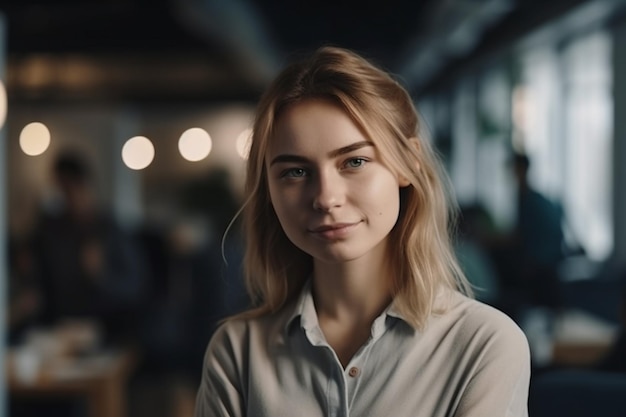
x=138, y=152
x=244, y=141
x=195, y=144
x=3, y=104
x=34, y=139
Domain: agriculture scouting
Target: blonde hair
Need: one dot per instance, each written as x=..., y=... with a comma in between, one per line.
x=422, y=258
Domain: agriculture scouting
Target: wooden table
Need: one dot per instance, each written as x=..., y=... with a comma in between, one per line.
x=98, y=378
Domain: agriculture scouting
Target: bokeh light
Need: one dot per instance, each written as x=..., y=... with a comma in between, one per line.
x=3, y=104
x=34, y=139
x=244, y=141
x=138, y=152
x=195, y=144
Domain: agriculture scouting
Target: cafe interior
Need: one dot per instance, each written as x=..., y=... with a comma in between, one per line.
x=133, y=117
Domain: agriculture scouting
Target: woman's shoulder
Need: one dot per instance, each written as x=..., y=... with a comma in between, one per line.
x=477, y=321
x=239, y=330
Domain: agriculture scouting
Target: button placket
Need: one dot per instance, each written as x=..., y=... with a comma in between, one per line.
x=353, y=372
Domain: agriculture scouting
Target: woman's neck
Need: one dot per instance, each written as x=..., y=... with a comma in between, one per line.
x=352, y=291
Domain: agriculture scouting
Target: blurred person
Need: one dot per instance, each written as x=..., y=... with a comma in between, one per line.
x=538, y=240
x=361, y=307
x=197, y=288
x=214, y=199
x=87, y=265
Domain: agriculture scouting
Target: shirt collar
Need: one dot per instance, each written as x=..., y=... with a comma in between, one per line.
x=393, y=311
x=443, y=300
x=303, y=309
x=304, y=312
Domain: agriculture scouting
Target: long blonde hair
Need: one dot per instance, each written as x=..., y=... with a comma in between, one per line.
x=422, y=257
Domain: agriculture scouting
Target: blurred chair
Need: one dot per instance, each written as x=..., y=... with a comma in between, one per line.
x=578, y=393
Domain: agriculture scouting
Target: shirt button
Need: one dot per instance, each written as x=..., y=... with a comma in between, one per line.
x=354, y=372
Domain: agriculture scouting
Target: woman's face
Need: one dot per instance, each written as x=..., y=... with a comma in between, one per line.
x=334, y=197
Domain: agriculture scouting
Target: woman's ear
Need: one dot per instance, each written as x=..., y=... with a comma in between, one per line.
x=403, y=181
x=415, y=145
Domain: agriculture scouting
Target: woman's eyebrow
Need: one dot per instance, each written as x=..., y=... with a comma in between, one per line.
x=288, y=158
x=332, y=154
x=350, y=148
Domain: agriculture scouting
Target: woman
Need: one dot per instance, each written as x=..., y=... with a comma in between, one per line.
x=361, y=307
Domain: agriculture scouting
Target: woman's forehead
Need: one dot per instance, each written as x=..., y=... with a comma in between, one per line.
x=313, y=124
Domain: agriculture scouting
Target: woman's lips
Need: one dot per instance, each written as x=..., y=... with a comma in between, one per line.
x=333, y=231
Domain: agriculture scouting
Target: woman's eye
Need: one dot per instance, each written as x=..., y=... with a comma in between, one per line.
x=294, y=173
x=355, y=162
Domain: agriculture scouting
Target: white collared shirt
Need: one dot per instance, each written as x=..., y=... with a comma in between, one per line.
x=470, y=361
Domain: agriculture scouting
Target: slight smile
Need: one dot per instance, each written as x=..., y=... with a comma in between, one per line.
x=333, y=231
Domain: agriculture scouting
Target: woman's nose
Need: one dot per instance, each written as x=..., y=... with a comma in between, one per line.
x=329, y=192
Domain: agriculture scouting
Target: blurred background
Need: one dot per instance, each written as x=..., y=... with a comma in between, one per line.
x=123, y=145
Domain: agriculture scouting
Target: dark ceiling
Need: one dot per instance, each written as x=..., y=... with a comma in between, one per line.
x=207, y=50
